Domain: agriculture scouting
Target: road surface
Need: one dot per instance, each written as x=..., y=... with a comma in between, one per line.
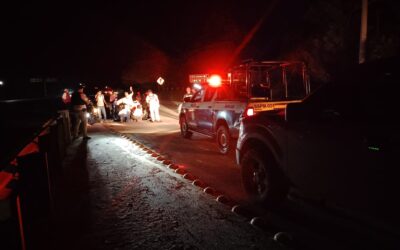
x=115, y=195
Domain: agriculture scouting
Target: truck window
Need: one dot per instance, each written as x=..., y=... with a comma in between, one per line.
x=273, y=81
x=378, y=94
x=277, y=86
x=260, y=82
x=364, y=94
x=296, y=86
x=239, y=82
x=226, y=93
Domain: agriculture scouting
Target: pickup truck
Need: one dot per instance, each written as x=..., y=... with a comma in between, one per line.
x=338, y=147
x=216, y=108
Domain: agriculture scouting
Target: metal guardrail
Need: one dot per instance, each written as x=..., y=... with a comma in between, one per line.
x=24, y=142
x=37, y=161
x=11, y=106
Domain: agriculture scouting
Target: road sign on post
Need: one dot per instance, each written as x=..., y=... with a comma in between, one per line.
x=160, y=80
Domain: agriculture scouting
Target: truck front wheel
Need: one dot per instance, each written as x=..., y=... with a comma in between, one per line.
x=262, y=179
x=184, y=128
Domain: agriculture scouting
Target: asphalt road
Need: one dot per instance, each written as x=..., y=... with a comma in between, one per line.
x=312, y=227
x=115, y=195
x=198, y=155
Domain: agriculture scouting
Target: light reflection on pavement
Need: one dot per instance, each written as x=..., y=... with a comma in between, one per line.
x=133, y=201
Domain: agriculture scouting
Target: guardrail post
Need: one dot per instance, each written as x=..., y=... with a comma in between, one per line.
x=61, y=139
x=34, y=197
x=48, y=146
x=66, y=120
x=11, y=224
x=39, y=172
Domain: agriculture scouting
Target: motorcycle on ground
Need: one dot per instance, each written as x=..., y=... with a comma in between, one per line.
x=92, y=114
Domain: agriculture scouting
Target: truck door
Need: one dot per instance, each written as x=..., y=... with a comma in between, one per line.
x=191, y=113
x=204, y=112
x=342, y=153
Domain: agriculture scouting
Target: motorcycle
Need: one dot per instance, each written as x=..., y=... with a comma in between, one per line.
x=92, y=114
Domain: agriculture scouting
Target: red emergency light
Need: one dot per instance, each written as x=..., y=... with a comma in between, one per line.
x=214, y=81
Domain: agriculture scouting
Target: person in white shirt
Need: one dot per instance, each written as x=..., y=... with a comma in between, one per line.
x=125, y=113
x=137, y=111
x=101, y=103
x=154, y=104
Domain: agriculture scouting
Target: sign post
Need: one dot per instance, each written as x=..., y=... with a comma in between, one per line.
x=160, y=81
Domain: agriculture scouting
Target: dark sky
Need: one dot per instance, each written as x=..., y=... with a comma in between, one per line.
x=105, y=42
x=99, y=40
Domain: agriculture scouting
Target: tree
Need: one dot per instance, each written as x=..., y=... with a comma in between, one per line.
x=327, y=37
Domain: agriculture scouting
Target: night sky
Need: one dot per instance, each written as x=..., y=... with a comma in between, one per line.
x=103, y=40
x=137, y=41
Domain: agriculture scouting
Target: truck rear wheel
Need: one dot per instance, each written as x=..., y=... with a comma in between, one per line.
x=184, y=128
x=223, y=139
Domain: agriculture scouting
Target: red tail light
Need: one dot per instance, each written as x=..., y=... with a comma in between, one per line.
x=249, y=112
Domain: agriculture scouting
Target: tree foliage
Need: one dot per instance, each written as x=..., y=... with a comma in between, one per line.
x=328, y=38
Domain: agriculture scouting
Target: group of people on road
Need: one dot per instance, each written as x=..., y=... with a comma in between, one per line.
x=126, y=105
x=135, y=107
x=129, y=107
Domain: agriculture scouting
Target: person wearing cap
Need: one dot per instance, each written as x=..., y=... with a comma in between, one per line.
x=79, y=110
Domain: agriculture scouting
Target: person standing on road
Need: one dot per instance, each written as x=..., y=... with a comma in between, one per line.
x=65, y=113
x=79, y=109
x=188, y=93
x=66, y=98
x=101, y=102
x=145, y=105
x=113, y=101
x=138, y=97
x=154, y=105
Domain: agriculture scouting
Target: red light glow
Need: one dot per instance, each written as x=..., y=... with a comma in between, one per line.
x=214, y=81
